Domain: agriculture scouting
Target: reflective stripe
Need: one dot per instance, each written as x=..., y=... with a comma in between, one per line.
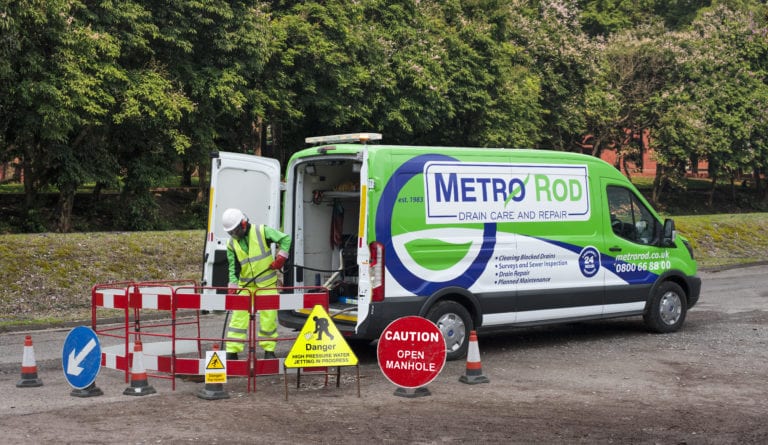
x=237, y=330
x=262, y=247
x=253, y=259
x=267, y=333
x=266, y=277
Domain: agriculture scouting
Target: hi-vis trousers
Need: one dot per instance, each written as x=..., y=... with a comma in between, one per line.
x=238, y=329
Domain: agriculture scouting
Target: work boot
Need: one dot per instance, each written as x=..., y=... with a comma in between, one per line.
x=269, y=354
x=231, y=355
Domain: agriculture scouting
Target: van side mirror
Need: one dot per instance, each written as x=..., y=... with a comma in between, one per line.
x=668, y=233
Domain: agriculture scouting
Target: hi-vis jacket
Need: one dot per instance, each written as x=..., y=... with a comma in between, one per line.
x=255, y=256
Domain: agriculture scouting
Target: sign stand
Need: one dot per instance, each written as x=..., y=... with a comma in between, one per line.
x=413, y=392
x=338, y=377
x=90, y=391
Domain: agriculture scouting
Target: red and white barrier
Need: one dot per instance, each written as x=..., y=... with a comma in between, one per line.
x=167, y=356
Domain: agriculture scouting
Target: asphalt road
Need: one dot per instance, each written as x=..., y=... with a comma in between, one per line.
x=598, y=382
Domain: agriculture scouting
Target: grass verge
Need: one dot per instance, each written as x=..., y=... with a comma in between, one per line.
x=47, y=278
x=726, y=240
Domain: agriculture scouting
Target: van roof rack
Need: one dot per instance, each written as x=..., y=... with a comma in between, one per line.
x=344, y=138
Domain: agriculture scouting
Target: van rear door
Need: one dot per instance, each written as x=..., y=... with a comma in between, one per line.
x=363, y=253
x=249, y=183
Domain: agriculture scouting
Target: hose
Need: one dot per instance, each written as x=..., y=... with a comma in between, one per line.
x=224, y=330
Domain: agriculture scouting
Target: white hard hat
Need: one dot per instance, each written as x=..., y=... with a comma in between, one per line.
x=231, y=218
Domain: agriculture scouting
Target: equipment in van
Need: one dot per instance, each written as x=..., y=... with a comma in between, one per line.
x=478, y=239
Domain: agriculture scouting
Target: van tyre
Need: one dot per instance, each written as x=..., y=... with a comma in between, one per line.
x=454, y=322
x=666, y=309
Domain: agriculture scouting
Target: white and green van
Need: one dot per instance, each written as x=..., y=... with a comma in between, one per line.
x=470, y=238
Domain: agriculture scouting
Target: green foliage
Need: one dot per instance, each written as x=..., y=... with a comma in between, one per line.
x=604, y=17
x=714, y=104
x=492, y=88
x=126, y=94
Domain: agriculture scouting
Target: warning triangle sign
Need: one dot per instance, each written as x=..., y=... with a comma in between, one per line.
x=214, y=362
x=320, y=344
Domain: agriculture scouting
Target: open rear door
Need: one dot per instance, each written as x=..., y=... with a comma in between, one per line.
x=249, y=183
x=363, y=253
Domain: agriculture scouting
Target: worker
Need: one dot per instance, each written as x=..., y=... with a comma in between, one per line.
x=251, y=266
x=321, y=326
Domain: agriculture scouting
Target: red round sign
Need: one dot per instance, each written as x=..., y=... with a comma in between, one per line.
x=411, y=352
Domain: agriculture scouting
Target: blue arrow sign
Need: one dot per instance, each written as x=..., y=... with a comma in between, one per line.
x=81, y=357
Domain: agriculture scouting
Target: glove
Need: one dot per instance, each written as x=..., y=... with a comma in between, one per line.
x=279, y=261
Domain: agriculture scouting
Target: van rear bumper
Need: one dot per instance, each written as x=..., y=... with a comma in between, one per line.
x=372, y=327
x=296, y=320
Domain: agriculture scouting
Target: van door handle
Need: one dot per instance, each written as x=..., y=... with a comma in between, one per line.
x=615, y=249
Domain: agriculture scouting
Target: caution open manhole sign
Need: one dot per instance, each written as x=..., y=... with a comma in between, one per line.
x=320, y=344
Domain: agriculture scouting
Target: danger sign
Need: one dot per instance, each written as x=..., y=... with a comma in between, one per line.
x=411, y=352
x=320, y=344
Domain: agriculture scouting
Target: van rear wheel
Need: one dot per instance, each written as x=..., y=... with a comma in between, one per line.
x=454, y=322
x=667, y=308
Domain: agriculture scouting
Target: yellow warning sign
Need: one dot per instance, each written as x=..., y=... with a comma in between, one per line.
x=215, y=368
x=214, y=362
x=320, y=344
x=215, y=377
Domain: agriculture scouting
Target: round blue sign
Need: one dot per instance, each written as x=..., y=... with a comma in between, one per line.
x=589, y=261
x=81, y=357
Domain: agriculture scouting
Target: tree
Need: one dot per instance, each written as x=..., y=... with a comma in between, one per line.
x=565, y=64
x=493, y=91
x=420, y=72
x=719, y=95
x=216, y=52
x=147, y=142
x=637, y=68
x=606, y=17
x=141, y=129
x=55, y=96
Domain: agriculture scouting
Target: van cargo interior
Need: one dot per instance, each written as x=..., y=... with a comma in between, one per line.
x=326, y=227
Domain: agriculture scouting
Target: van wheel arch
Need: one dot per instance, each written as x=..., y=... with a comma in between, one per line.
x=677, y=278
x=460, y=296
x=455, y=314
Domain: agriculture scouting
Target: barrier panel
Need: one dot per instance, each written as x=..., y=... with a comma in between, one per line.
x=175, y=354
x=112, y=296
x=136, y=299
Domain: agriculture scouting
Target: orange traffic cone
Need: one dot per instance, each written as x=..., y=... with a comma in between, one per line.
x=213, y=391
x=29, y=377
x=139, y=384
x=474, y=373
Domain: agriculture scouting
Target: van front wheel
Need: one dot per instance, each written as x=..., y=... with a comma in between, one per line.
x=667, y=308
x=454, y=322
